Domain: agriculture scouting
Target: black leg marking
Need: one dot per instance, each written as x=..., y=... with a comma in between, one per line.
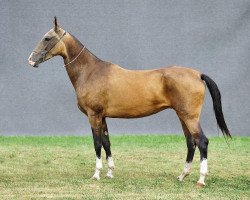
x=191, y=148
x=106, y=145
x=105, y=140
x=191, y=145
x=97, y=141
x=203, y=146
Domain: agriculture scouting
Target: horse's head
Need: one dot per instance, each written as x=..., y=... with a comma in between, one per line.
x=51, y=45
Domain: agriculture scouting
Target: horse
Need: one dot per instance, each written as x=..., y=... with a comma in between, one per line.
x=106, y=90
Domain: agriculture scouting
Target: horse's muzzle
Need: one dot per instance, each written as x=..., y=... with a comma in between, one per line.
x=31, y=59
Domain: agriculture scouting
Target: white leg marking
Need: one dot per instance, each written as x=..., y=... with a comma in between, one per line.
x=98, y=163
x=110, y=163
x=186, y=171
x=97, y=169
x=111, y=167
x=203, y=167
x=203, y=172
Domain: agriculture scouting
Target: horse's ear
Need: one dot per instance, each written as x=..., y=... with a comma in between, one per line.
x=55, y=24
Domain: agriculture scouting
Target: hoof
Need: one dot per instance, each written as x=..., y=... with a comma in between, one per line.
x=95, y=178
x=109, y=175
x=200, y=184
x=181, y=177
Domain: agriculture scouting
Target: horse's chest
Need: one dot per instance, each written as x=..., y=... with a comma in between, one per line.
x=91, y=102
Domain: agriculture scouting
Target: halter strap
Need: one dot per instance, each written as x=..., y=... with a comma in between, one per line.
x=75, y=57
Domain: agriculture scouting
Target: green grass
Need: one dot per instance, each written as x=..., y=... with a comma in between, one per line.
x=146, y=168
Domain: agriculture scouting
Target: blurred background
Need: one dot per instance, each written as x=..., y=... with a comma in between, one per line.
x=210, y=36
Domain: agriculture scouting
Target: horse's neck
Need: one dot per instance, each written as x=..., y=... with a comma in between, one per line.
x=79, y=61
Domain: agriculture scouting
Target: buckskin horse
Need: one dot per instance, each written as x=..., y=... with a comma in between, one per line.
x=104, y=89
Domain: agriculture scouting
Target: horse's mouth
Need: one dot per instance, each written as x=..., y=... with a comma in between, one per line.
x=33, y=64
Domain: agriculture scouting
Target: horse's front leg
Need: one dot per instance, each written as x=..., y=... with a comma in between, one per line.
x=97, y=130
x=106, y=146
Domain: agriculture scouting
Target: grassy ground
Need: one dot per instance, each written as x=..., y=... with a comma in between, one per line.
x=146, y=168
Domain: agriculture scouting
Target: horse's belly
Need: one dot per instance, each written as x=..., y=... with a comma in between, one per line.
x=135, y=110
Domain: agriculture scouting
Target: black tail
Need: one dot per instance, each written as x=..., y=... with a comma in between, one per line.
x=215, y=94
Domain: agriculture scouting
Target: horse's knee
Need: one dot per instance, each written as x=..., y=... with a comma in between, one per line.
x=203, y=141
x=98, y=145
x=206, y=140
x=105, y=141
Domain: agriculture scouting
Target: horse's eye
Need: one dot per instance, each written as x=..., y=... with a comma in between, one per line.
x=47, y=39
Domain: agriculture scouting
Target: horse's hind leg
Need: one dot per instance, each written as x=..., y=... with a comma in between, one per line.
x=201, y=141
x=106, y=145
x=190, y=152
